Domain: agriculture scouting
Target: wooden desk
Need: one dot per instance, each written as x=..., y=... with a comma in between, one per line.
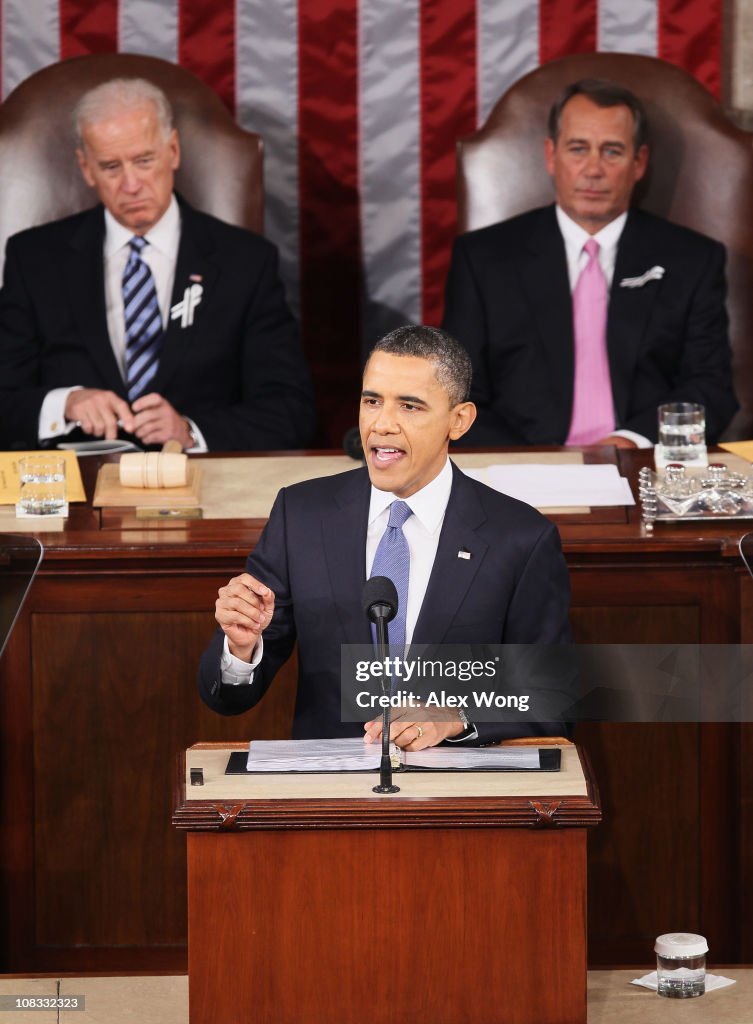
x=97, y=695
x=440, y=903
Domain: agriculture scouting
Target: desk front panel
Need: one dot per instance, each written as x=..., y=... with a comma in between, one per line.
x=456, y=925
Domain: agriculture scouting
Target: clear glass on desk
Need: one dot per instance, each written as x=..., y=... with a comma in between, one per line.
x=42, y=485
x=682, y=434
x=681, y=965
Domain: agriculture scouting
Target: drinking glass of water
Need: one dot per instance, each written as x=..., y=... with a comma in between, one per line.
x=42, y=485
x=682, y=434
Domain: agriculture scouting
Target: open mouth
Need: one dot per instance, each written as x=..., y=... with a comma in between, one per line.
x=385, y=455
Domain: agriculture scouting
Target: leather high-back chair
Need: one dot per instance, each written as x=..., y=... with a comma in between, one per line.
x=221, y=164
x=700, y=173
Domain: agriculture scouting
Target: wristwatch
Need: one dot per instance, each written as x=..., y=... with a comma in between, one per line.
x=469, y=729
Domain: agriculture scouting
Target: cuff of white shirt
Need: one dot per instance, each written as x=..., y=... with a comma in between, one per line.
x=234, y=671
x=200, y=446
x=638, y=439
x=52, y=414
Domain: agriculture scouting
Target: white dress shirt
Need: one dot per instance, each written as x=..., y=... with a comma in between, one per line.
x=161, y=256
x=421, y=530
x=575, y=238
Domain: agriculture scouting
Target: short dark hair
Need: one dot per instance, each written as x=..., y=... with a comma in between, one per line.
x=452, y=363
x=603, y=93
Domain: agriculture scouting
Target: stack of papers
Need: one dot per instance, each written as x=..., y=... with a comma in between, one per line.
x=547, y=486
x=353, y=755
x=314, y=755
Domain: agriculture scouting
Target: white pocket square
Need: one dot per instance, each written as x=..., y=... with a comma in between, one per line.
x=654, y=274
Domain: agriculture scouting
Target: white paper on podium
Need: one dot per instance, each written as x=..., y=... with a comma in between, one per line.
x=352, y=754
x=546, y=486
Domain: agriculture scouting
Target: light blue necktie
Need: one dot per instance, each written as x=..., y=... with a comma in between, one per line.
x=143, y=322
x=392, y=559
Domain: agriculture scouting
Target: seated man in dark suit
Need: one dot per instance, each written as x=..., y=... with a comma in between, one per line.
x=143, y=315
x=583, y=317
x=479, y=567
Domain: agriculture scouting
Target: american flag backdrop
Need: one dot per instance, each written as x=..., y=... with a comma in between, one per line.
x=360, y=103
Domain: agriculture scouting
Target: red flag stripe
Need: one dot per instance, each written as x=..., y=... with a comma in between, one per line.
x=87, y=27
x=206, y=44
x=448, y=111
x=330, y=239
x=690, y=35
x=566, y=27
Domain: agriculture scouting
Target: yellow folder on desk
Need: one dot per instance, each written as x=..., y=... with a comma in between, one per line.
x=742, y=448
x=10, y=482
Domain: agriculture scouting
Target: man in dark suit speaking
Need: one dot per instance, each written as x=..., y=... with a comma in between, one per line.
x=143, y=315
x=478, y=567
x=582, y=317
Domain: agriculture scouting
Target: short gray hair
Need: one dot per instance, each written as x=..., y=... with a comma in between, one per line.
x=118, y=96
x=452, y=364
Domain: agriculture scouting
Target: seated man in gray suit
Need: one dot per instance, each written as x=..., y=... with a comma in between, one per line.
x=142, y=315
x=582, y=317
x=303, y=581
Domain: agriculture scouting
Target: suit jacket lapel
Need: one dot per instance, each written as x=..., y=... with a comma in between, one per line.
x=546, y=282
x=85, y=280
x=195, y=260
x=344, y=526
x=629, y=309
x=451, y=575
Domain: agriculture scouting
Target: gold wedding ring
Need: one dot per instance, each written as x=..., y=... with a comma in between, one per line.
x=419, y=730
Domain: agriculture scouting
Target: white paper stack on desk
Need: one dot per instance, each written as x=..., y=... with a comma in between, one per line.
x=547, y=486
x=353, y=755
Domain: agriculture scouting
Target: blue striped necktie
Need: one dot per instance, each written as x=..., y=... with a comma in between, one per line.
x=392, y=559
x=143, y=323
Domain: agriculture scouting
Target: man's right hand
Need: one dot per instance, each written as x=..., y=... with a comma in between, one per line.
x=98, y=412
x=244, y=610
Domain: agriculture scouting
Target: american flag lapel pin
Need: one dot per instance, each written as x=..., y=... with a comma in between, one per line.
x=464, y=553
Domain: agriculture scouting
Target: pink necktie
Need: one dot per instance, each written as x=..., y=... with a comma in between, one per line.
x=593, y=406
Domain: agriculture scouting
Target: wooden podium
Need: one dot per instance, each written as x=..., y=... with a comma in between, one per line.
x=461, y=899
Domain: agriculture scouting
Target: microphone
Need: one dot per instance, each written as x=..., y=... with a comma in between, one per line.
x=379, y=600
x=352, y=444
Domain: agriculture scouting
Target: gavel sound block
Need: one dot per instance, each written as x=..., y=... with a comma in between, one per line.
x=165, y=479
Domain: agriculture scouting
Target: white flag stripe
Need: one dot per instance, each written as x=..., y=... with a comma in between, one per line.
x=628, y=27
x=150, y=27
x=267, y=102
x=508, y=47
x=389, y=163
x=31, y=39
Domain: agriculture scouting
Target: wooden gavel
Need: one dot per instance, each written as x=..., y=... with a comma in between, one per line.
x=168, y=468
